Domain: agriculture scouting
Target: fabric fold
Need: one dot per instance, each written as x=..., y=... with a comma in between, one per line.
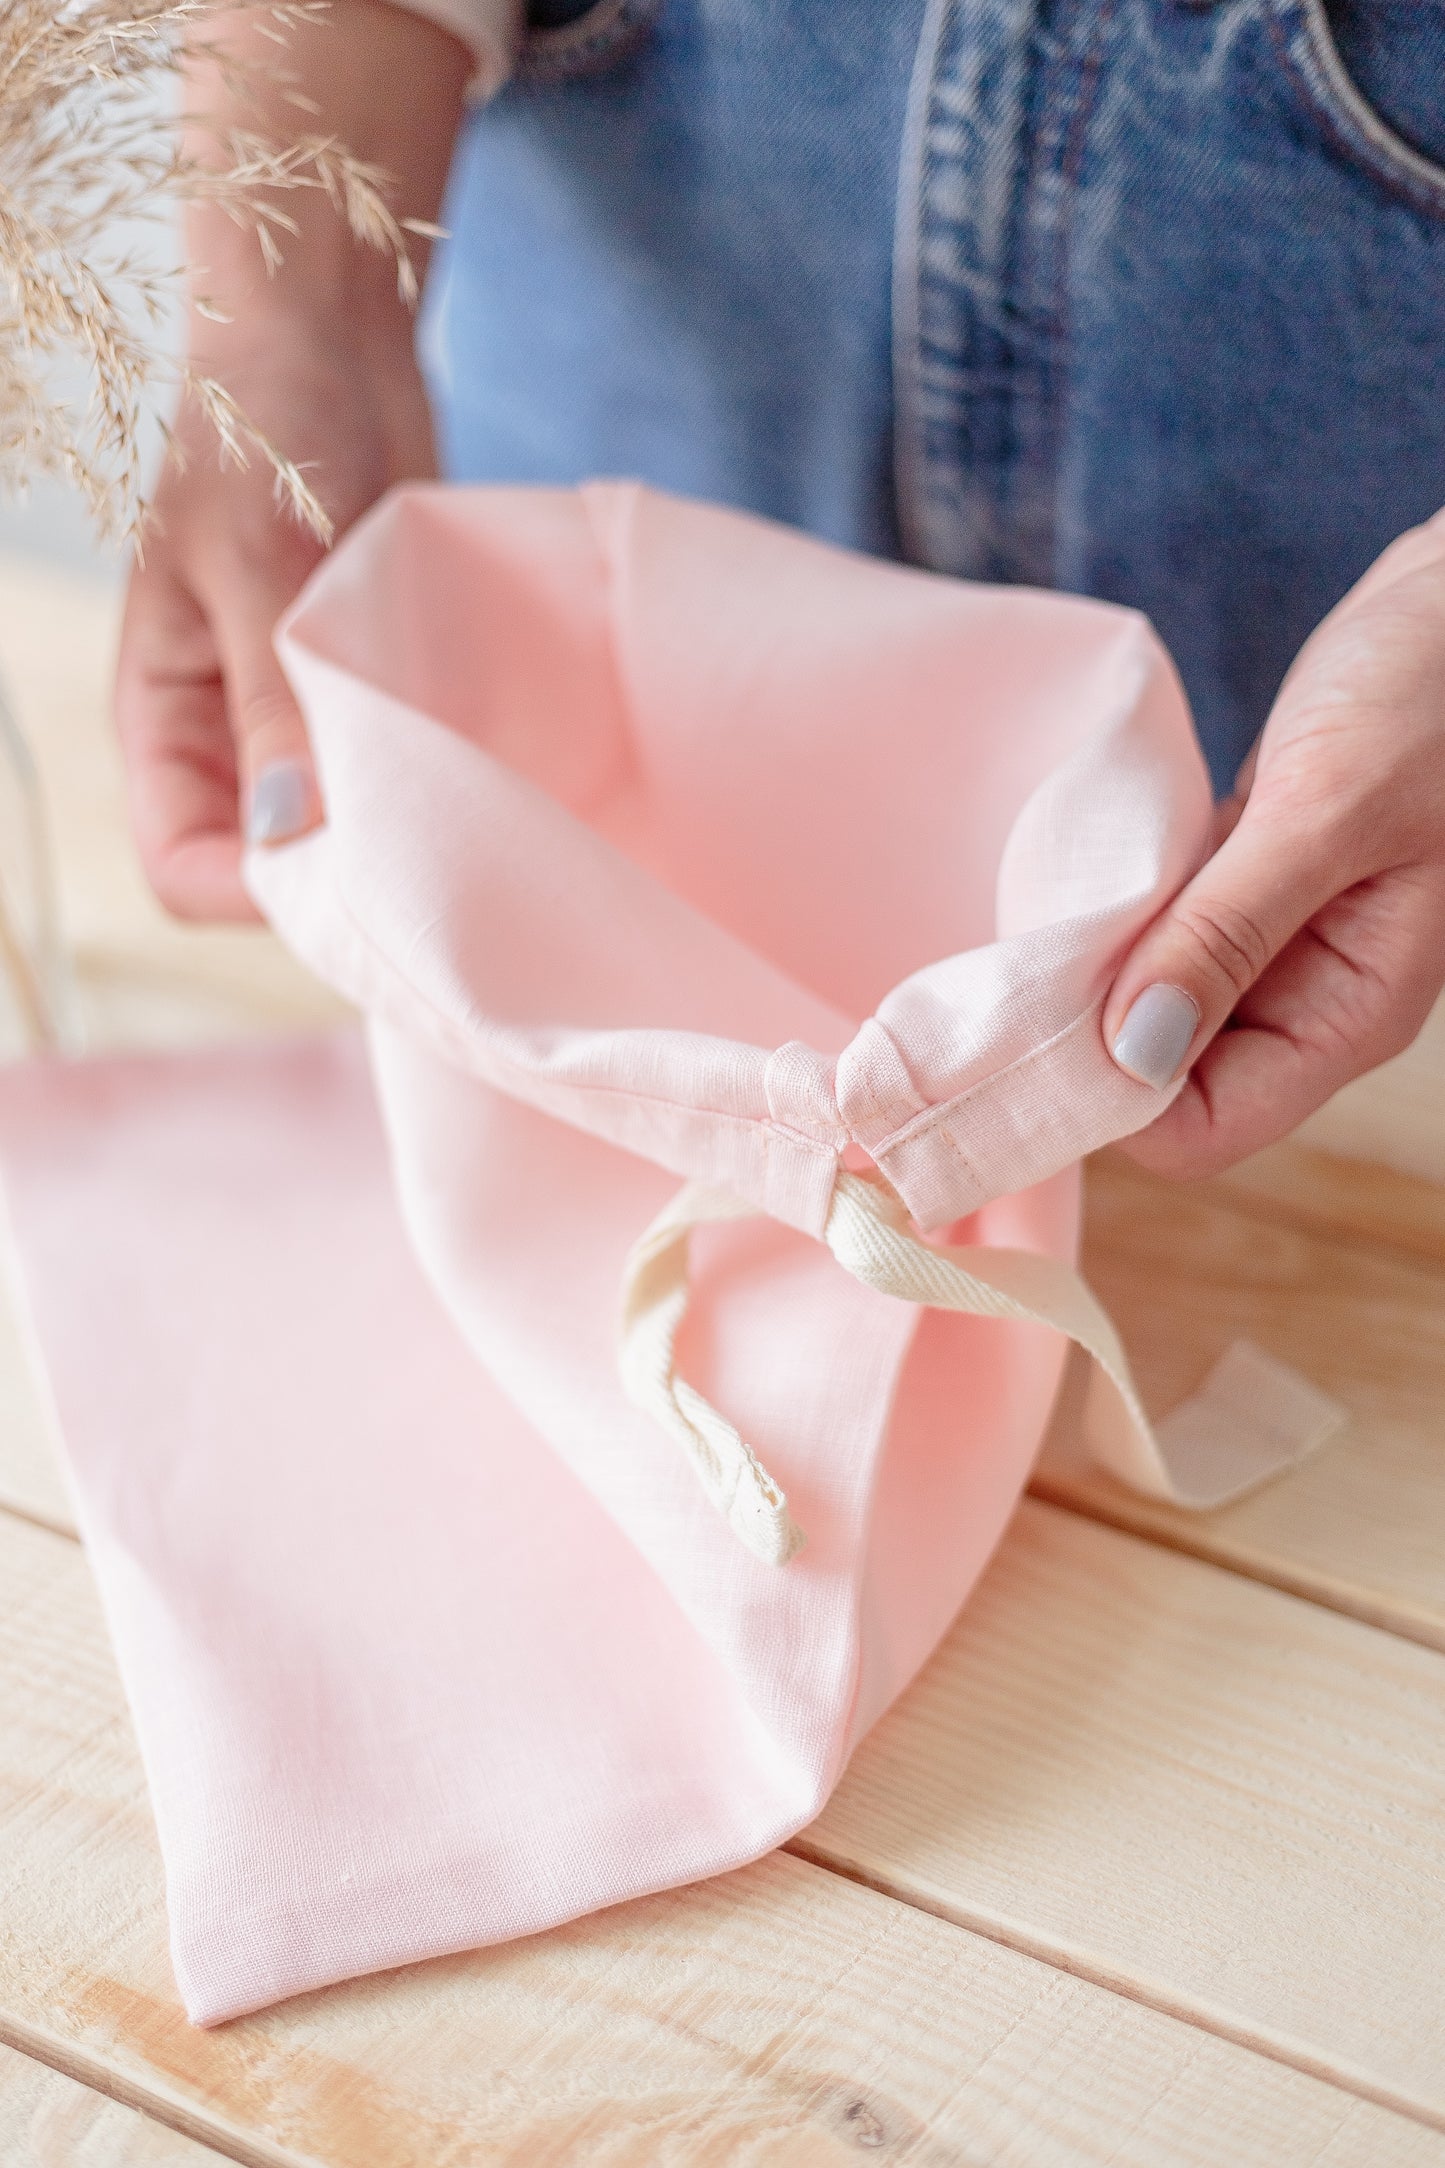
x=661, y=845
x=724, y=741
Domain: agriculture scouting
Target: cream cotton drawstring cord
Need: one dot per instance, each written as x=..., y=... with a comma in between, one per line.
x=1252, y=1417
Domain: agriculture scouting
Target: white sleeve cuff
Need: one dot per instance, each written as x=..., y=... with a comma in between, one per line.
x=491, y=29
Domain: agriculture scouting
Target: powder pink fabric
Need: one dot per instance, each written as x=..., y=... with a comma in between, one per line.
x=648, y=826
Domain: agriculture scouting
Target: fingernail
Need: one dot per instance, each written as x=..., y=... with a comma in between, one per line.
x=280, y=804
x=1155, y=1035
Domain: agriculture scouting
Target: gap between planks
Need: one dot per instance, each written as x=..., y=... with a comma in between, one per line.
x=1218, y=1793
x=1148, y=1995
x=97, y=2076
x=1275, y=1573
x=785, y=2014
x=1310, y=1268
x=34, y=1518
x=1058, y=1954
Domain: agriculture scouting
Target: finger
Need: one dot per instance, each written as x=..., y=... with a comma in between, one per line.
x=1229, y=811
x=279, y=794
x=1244, y=781
x=1351, y=990
x=1188, y=971
x=176, y=746
x=1416, y=549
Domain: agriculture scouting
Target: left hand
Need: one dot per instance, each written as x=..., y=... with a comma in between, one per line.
x=1311, y=945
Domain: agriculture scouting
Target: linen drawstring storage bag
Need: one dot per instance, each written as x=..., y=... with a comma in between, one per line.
x=522, y=1452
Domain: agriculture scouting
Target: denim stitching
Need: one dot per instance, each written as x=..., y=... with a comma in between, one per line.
x=1335, y=122
x=964, y=363
x=1057, y=153
x=916, y=163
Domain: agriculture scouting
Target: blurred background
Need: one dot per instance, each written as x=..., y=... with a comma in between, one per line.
x=129, y=976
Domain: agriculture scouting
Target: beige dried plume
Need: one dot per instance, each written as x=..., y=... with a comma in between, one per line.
x=83, y=162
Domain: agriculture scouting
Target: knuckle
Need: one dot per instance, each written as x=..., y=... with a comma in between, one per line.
x=1186, y=1142
x=267, y=722
x=1366, y=1007
x=1178, y=1151
x=1227, y=941
x=1398, y=1027
x=264, y=707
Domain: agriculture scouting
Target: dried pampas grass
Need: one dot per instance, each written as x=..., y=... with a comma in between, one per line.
x=84, y=160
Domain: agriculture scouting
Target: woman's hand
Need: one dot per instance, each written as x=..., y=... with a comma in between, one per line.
x=1311, y=946
x=320, y=358
x=214, y=744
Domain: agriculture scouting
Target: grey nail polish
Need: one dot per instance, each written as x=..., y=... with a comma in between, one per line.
x=1154, y=1037
x=280, y=805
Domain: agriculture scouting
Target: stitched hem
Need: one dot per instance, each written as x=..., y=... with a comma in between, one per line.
x=943, y=1110
x=450, y=1037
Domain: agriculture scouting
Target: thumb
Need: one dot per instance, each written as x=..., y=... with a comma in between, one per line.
x=280, y=798
x=1189, y=969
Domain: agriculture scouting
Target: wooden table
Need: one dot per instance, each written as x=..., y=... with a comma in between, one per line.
x=1148, y=1868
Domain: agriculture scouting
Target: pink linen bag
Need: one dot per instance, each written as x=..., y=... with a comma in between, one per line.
x=474, y=1555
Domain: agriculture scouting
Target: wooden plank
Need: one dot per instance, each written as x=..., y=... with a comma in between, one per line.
x=1166, y=1777
x=47, y=2120
x=1291, y=1185
x=780, y=2015
x=1185, y=1270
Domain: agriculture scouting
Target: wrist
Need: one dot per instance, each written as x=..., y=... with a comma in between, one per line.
x=307, y=348
x=329, y=293
x=334, y=86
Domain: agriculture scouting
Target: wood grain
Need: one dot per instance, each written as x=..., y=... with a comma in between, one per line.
x=1164, y=1776
x=47, y=2120
x=1185, y=1271
x=1291, y=1185
x=780, y=2015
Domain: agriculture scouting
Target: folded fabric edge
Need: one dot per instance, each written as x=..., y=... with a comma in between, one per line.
x=209, y=2003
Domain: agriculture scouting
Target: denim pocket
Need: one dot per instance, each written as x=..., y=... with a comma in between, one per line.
x=593, y=38
x=1312, y=59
